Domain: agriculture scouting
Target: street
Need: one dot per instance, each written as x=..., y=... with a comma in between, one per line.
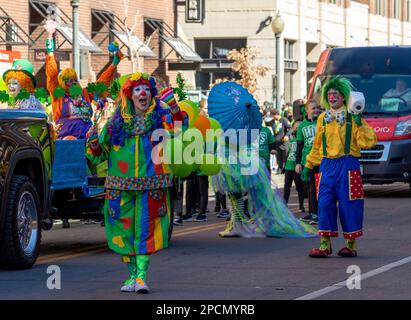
x=201, y=266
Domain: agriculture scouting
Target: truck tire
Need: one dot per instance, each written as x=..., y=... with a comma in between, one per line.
x=21, y=236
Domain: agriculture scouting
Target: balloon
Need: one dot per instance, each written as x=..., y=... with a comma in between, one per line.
x=214, y=124
x=191, y=109
x=174, y=151
x=123, y=78
x=193, y=147
x=202, y=123
x=211, y=165
x=182, y=170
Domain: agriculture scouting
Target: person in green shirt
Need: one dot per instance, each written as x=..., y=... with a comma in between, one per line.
x=290, y=174
x=305, y=139
x=266, y=146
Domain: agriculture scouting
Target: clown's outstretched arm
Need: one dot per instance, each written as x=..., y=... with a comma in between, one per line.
x=364, y=135
x=52, y=68
x=98, y=146
x=176, y=114
x=315, y=156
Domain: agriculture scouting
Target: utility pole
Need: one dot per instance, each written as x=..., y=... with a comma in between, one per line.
x=76, y=48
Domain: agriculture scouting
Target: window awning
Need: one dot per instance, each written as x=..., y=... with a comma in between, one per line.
x=115, y=27
x=136, y=44
x=167, y=34
x=85, y=42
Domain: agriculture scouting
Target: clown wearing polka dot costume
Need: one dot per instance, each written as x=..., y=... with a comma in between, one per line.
x=137, y=206
x=339, y=138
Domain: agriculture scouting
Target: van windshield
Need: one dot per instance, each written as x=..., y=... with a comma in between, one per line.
x=386, y=95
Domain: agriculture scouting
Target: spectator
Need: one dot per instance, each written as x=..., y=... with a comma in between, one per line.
x=266, y=147
x=280, y=129
x=305, y=139
x=290, y=174
x=221, y=205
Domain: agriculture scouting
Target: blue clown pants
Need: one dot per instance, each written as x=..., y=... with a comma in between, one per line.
x=340, y=182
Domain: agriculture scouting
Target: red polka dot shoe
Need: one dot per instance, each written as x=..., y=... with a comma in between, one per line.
x=320, y=253
x=347, y=253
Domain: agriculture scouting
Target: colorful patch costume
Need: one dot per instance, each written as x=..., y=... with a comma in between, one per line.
x=73, y=114
x=339, y=138
x=137, y=206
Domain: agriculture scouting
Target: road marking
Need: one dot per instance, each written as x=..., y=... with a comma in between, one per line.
x=103, y=247
x=343, y=284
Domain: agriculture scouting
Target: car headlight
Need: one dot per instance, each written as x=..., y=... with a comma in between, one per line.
x=403, y=128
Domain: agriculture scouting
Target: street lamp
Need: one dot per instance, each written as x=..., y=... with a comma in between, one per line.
x=76, y=49
x=277, y=25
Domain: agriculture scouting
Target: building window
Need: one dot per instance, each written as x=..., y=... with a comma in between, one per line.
x=336, y=2
x=289, y=49
x=216, y=65
x=396, y=9
x=102, y=22
x=37, y=11
x=153, y=30
x=381, y=7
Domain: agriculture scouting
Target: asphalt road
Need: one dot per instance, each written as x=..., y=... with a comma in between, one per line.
x=201, y=266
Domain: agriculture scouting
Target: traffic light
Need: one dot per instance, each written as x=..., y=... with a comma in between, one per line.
x=194, y=11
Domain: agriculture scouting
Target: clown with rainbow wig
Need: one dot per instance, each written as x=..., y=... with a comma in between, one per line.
x=137, y=206
x=339, y=138
x=72, y=115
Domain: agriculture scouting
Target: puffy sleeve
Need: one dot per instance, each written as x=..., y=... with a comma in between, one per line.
x=98, y=147
x=365, y=136
x=52, y=83
x=315, y=156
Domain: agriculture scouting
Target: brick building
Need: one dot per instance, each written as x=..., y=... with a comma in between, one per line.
x=99, y=22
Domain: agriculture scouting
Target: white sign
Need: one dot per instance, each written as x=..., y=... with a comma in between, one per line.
x=86, y=44
x=136, y=44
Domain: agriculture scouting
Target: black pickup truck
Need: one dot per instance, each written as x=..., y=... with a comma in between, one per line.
x=40, y=180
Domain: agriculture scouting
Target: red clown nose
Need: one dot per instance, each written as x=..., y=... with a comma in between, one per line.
x=143, y=93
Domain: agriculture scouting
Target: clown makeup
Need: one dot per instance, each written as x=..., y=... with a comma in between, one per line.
x=14, y=87
x=141, y=98
x=70, y=82
x=335, y=99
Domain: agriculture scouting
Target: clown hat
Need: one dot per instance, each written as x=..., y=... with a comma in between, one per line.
x=24, y=66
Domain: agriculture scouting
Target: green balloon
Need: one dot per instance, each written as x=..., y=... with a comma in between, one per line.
x=214, y=124
x=174, y=151
x=211, y=165
x=182, y=170
x=193, y=146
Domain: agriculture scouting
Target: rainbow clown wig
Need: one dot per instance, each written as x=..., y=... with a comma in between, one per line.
x=66, y=74
x=342, y=85
x=25, y=81
x=136, y=79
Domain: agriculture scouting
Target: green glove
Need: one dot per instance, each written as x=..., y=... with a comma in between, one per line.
x=305, y=174
x=116, y=60
x=357, y=119
x=50, y=45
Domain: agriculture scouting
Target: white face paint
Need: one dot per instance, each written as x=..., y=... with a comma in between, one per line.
x=141, y=98
x=14, y=87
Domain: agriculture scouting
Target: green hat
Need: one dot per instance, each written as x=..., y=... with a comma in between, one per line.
x=24, y=66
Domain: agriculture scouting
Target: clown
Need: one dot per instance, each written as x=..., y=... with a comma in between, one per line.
x=18, y=78
x=339, y=138
x=72, y=115
x=137, y=206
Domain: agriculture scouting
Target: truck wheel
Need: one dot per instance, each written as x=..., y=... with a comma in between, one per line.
x=20, y=242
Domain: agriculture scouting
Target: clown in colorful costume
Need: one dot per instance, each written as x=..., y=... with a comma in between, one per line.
x=74, y=115
x=339, y=138
x=137, y=206
x=20, y=77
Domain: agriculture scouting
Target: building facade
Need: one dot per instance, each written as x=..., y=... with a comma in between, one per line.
x=310, y=27
x=154, y=38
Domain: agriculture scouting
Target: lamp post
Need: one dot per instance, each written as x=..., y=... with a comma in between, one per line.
x=76, y=49
x=277, y=25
